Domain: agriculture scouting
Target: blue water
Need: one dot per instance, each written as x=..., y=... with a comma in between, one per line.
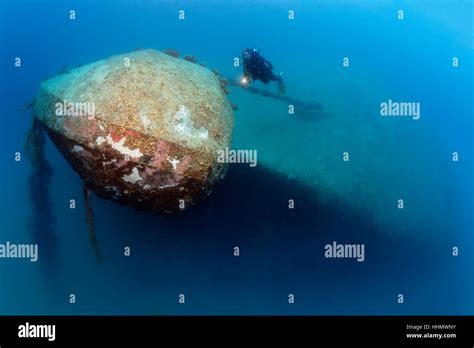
x=408, y=251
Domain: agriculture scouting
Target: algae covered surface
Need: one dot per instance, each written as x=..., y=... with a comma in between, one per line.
x=142, y=128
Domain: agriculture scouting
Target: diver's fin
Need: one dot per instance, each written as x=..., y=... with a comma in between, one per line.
x=281, y=86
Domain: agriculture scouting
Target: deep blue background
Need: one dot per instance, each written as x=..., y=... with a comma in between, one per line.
x=407, y=252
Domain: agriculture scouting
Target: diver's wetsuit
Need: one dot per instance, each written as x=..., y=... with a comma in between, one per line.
x=258, y=68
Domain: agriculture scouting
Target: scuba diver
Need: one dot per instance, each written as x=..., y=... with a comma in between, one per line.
x=258, y=68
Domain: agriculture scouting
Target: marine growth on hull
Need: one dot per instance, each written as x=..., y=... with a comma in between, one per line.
x=141, y=129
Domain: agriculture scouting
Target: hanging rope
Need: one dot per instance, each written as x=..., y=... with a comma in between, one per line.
x=91, y=224
x=39, y=183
